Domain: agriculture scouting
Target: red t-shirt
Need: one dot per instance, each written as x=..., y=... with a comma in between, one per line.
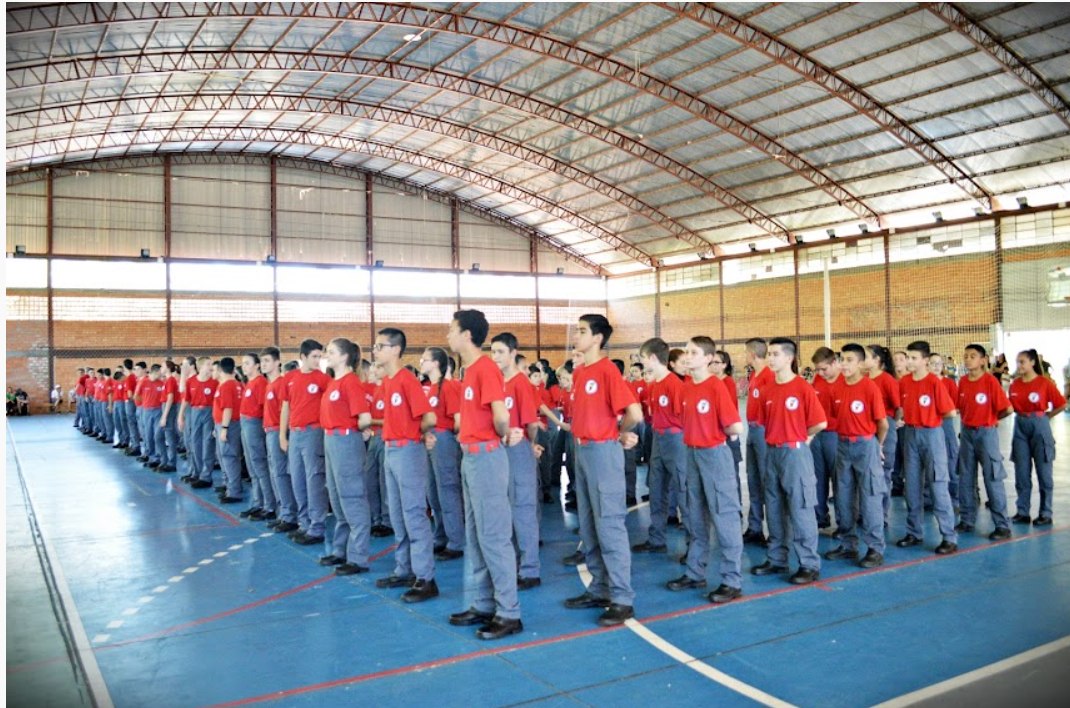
x=980, y=401
x=99, y=390
x=790, y=409
x=706, y=412
x=555, y=396
x=858, y=407
x=152, y=393
x=343, y=402
x=228, y=395
x=445, y=401
x=755, y=409
x=924, y=402
x=140, y=390
x=405, y=406
x=129, y=386
x=825, y=395
x=666, y=399
x=638, y=389
x=80, y=389
x=521, y=400
x=889, y=389
x=730, y=387
x=273, y=402
x=118, y=391
x=482, y=385
x=951, y=387
x=303, y=392
x=200, y=393
x=566, y=405
x=170, y=388
x=600, y=396
x=376, y=404
x=1037, y=396
x=252, y=398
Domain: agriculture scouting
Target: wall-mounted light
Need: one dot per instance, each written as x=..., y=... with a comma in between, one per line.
x=938, y=216
x=378, y=264
x=20, y=250
x=831, y=233
x=560, y=271
x=863, y=228
x=475, y=267
x=145, y=253
x=799, y=240
x=978, y=211
x=270, y=258
x=1023, y=202
x=753, y=247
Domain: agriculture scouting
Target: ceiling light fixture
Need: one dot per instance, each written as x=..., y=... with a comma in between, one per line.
x=414, y=37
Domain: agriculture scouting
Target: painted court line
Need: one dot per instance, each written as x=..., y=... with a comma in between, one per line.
x=939, y=689
x=82, y=646
x=218, y=512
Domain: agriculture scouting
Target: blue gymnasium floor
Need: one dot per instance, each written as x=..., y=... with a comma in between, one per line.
x=183, y=605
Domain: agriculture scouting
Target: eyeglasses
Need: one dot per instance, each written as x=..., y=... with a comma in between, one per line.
x=379, y=346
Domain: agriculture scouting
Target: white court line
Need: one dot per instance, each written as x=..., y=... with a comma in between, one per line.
x=686, y=659
x=86, y=656
x=938, y=689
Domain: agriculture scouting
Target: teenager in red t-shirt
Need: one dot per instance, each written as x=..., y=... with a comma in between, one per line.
x=407, y=415
x=667, y=471
x=709, y=416
x=117, y=408
x=792, y=416
x=343, y=413
x=152, y=388
x=951, y=436
x=444, y=455
x=1036, y=400
x=272, y=368
x=491, y=573
x=167, y=429
x=878, y=366
x=374, y=473
x=301, y=436
x=522, y=400
x=925, y=404
x=723, y=370
x=254, y=440
x=755, y=350
x=544, y=408
x=861, y=486
x=982, y=403
x=601, y=395
x=196, y=417
x=226, y=410
x=133, y=430
x=79, y=398
x=823, y=448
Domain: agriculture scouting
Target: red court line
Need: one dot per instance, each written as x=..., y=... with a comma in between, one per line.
x=382, y=553
x=19, y=668
x=362, y=678
x=206, y=505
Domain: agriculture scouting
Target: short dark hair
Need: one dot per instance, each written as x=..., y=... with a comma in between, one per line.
x=920, y=346
x=142, y=364
x=785, y=343
x=508, y=339
x=657, y=348
x=857, y=349
x=118, y=376
x=979, y=349
x=707, y=345
x=395, y=336
x=824, y=354
x=637, y=364
x=291, y=366
x=599, y=325
x=226, y=365
x=756, y=346
x=475, y=323
x=310, y=345
x=619, y=363
x=272, y=352
x=254, y=356
x=128, y=363
x=154, y=367
x=190, y=359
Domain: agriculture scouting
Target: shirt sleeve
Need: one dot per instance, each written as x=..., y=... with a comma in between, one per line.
x=877, y=403
x=999, y=397
x=355, y=395
x=944, y=404
x=491, y=387
x=452, y=397
x=619, y=394
x=727, y=410
x=815, y=412
x=414, y=394
x=529, y=411
x=1057, y=398
x=284, y=389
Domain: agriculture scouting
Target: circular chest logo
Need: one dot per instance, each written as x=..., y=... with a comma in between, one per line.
x=591, y=387
x=755, y=393
x=703, y=406
x=380, y=405
x=663, y=400
x=207, y=391
x=395, y=400
x=925, y=401
x=271, y=396
x=335, y=395
x=1034, y=397
x=433, y=401
x=792, y=404
x=248, y=392
x=509, y=402
x=313, y=388
x=857, y=406
x=981, y=398
x=469, y=394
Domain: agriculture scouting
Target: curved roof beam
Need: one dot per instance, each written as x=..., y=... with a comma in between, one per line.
x=37, y=75
x=988, y=43
x=149, y=137
x=750, y=36
x=161, y=104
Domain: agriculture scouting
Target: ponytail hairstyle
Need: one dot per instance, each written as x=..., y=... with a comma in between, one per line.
x=442, y=361
x=548, y=372
x=1032, y=355
x=728, y=368
x=674, y=354
x=351, y=351
x=884, y=356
